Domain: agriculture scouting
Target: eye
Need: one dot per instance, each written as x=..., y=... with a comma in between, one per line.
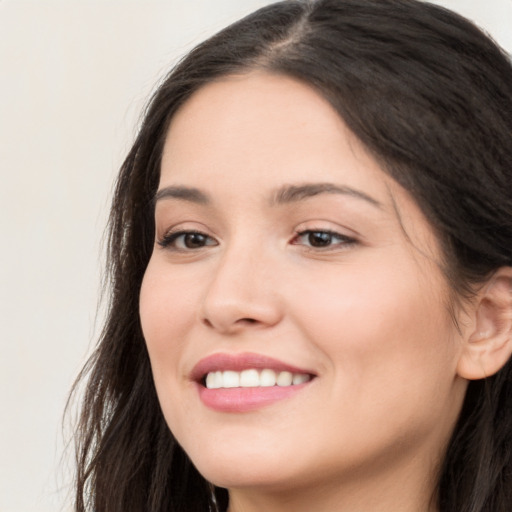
x=322, y=239
x=186, y=240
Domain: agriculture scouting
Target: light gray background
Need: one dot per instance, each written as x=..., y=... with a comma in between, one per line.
x=74, y=77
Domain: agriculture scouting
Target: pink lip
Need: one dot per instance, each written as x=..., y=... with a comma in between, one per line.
x=243, y=399
x=239, y=362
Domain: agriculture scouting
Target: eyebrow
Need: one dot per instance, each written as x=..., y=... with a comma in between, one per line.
x=191, y=194
x=292, y=193
x=284, y=195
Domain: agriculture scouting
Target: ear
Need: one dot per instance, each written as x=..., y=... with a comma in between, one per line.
x=489, y=346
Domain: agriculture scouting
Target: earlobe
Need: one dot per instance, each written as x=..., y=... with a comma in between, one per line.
x=489, y=346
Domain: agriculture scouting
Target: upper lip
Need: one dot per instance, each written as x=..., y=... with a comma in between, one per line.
x=240, y=362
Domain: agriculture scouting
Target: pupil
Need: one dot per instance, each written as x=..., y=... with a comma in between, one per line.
x=194, y=240
x=319, y=239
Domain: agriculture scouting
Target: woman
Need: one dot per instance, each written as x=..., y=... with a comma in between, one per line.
x=310, y=257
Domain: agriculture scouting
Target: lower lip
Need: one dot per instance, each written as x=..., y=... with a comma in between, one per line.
x=245, y=399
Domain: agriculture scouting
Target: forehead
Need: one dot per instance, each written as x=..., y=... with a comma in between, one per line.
x=265, y=129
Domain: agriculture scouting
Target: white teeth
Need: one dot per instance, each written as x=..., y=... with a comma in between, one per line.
x=299, y=378
x=231, y=379
x=268, y=378
x=210, y=380
x=285, y=379
x=219, y=379
x=249, y=379
x=253, y=378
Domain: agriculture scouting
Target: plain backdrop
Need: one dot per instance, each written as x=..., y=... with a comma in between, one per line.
x=74, y=78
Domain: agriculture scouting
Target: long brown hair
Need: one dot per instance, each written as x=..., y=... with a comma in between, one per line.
x=430, y=96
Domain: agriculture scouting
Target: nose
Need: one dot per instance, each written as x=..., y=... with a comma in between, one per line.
x=242, y=293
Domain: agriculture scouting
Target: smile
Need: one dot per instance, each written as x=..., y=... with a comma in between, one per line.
x=238, y=383
x=253, y=378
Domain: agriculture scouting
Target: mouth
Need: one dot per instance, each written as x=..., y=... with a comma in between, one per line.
x=243, y=382
x=253, y=378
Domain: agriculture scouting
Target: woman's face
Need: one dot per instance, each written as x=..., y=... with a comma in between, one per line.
x=283, y=252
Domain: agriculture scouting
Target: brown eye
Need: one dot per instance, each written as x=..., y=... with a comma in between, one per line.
x=318, y=239
x=186, y=240
x=194, y=240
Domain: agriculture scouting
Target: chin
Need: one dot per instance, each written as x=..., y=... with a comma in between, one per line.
x=242, y=467
x=247, y=476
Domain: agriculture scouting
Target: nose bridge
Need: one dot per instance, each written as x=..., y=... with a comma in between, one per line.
x=241, y=291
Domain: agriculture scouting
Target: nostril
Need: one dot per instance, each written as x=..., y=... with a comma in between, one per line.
x=231, y=325
x=239, y=322
x=248, y=320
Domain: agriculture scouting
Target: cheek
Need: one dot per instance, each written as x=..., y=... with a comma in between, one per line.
x=389, y=349
x=167, y=312
x=381, y=327
x=166, y=303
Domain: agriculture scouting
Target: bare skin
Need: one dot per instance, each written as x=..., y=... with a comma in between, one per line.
x=250, y=258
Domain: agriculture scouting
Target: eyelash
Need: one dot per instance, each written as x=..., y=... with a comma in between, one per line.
x=344, y=240
x=168, y=241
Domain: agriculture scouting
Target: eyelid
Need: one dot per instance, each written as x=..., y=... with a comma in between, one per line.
x=345, y=240
x=171, y=235
x=327, y=226
x=334, y=234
